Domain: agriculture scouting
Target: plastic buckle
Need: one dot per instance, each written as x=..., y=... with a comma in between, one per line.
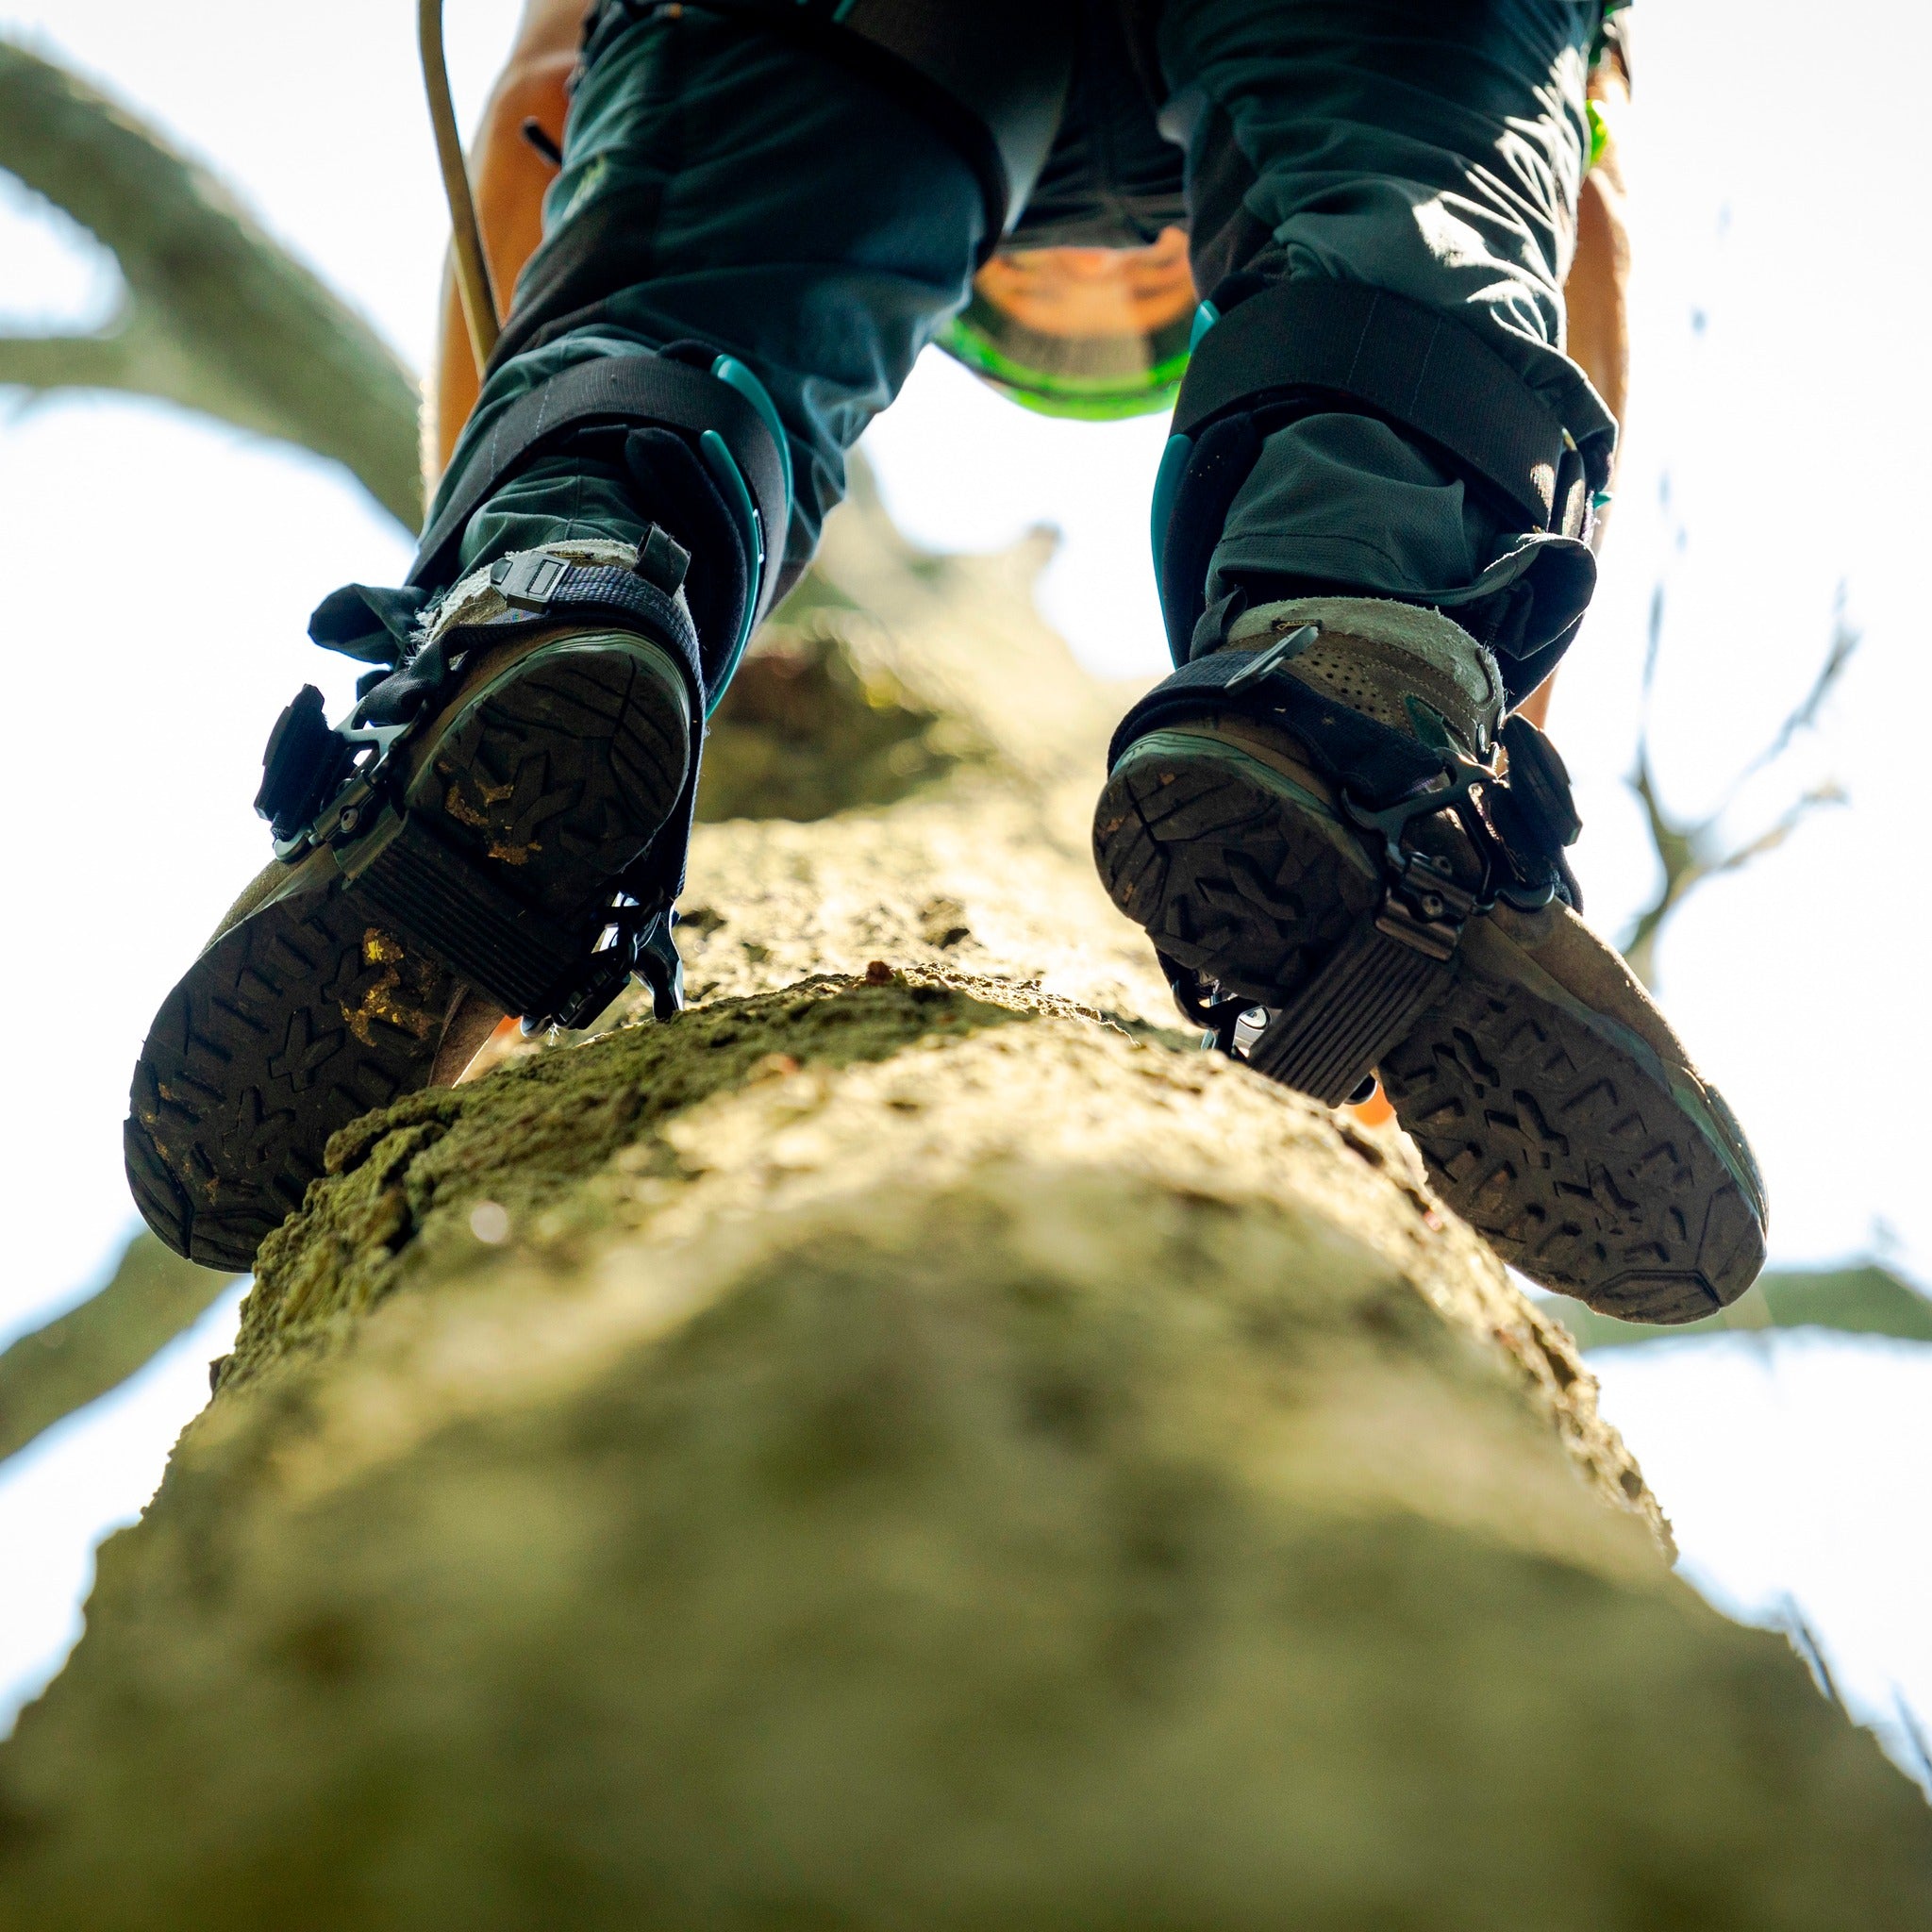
x=529, y=580
x=1472, y=793
x=1264, y=664
x=1453, y=786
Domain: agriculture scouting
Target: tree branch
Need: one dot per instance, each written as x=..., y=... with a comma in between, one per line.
x=1863, y=1299
x=221, y=318
x=1690, y=853
x=150, y=1298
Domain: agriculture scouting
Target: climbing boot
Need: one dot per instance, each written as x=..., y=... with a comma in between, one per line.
x=1351, y=865
x=498, y=827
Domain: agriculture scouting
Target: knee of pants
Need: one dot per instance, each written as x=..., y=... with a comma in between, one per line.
x=1434, y=148
x=724, y=186
x=1431, y=148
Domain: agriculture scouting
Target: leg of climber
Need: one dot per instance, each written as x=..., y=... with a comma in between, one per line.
x=1371, y=544
x=758, y=223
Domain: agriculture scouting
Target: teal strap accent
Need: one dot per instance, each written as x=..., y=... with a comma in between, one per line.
x=1167, y=483
x=717, y=457
x=1205, y=318
x=730, y=369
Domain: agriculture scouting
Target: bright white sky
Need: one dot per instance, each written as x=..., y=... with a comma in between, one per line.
x=161, y=571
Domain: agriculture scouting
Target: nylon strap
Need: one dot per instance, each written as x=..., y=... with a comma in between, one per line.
x=614, y=389
x=579, y=594
x=1373, y=759
x=1414, y=365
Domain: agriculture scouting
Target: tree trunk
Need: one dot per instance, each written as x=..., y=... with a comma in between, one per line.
x=914, y=1443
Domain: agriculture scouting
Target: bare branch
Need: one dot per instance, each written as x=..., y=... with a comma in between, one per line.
x=1915, y=1736
x=49, y=362
x=1845, y=640
x=1804, y=1639
x=1829, y=793
x=1689, y=853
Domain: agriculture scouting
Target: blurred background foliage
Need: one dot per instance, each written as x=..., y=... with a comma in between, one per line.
x=214, y=315
x=1865, y=1299
x=151, y=1297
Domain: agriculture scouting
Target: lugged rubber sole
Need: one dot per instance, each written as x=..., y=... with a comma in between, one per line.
x=1230, y=869
x=1555, y=1130
x=315, y=1008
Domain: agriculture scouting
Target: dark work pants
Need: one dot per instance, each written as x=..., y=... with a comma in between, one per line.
x=787, y=211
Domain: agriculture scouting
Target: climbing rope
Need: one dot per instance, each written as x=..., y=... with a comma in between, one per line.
x=472, y=267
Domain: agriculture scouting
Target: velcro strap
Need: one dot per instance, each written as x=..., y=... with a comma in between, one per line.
x=614, y=389
x=1415, y=365
x=1374, y=761
x=1358, y=1007
x=545, y=591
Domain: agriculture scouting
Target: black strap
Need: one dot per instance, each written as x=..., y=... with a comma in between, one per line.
x=1373, y=760
x=1415, y=365
x=613, y=389
x=545, y=590
x=541, y=590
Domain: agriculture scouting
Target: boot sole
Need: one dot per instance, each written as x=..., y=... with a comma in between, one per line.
x=317, y=1007
x=1554, y=1130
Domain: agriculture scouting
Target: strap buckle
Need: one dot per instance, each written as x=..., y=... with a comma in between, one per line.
x=526, y=580
x=1424, y=908
x=342, y=813
x=1517, y=823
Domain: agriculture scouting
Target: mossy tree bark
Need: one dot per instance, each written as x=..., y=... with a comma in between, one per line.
x=913, y=1442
